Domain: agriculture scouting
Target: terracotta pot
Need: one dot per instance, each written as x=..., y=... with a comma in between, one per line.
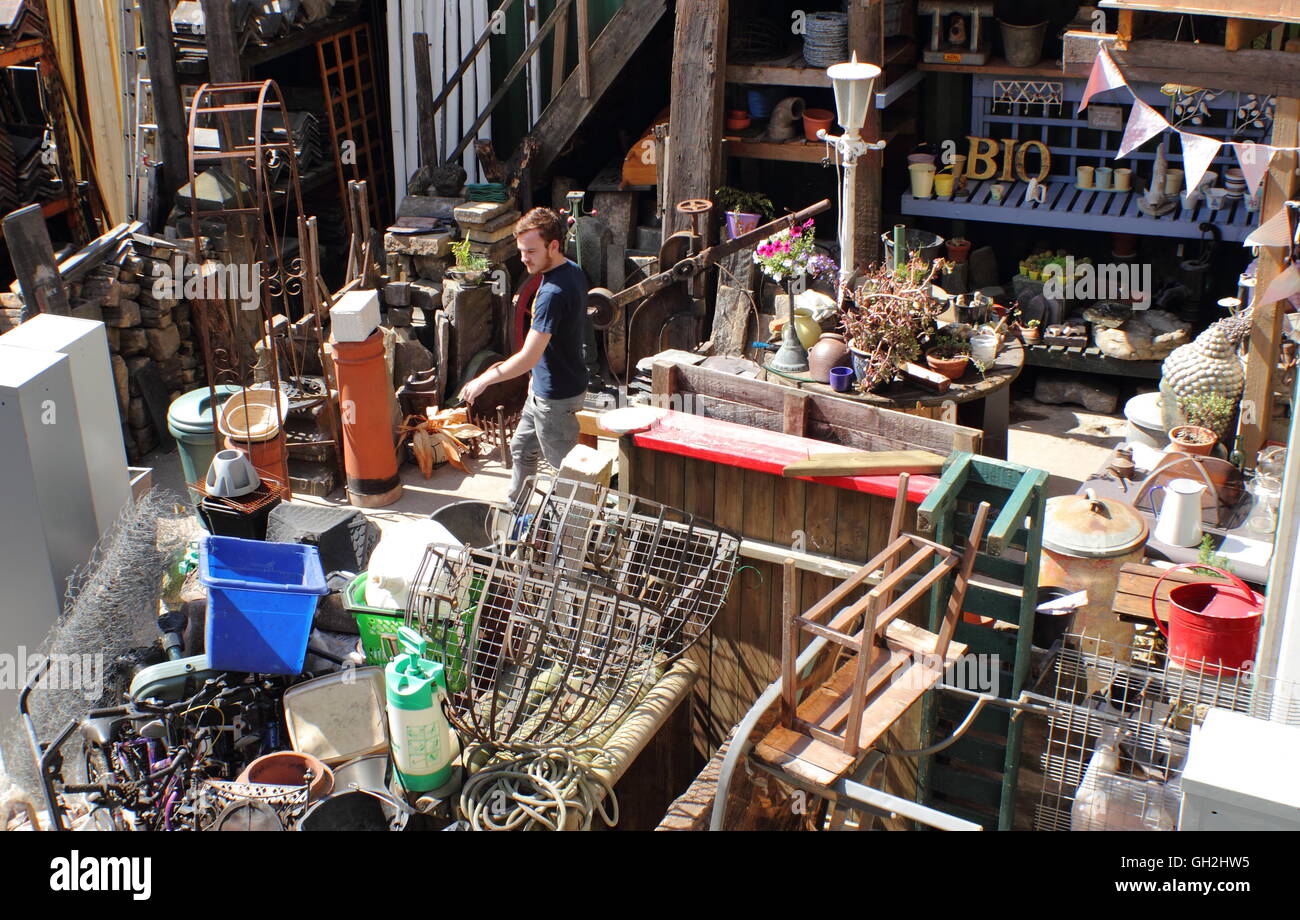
x=737, y=120
x=289, y=768
x=1189, y=438
x=815, y=120
x=1032, y=335
x=952, y=368
x=830, y=351
x=958, y=250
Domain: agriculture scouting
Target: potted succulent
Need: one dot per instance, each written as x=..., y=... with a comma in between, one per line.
x=891, y=314
x=1208, y=417
x=1031, y=332
x=948, y=355
x=958, y=249
x=744, y=210
x=470, y=268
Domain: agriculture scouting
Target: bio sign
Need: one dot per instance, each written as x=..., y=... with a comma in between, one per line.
x=987, y=157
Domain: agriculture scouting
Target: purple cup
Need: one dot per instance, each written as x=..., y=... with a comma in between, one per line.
x=841, y=379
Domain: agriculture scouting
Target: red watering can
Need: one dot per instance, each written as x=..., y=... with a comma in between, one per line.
x=1211, y=626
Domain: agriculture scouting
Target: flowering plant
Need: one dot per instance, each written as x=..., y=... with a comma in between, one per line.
x=791, y=253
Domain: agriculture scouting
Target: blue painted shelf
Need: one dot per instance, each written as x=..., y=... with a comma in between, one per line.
x=1072, y=208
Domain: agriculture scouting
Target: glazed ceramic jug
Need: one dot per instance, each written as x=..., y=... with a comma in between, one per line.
x=830, y=351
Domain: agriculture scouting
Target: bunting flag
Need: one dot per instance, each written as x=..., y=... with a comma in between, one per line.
x=1286, y=284
x=1198, y=151
x=1254, y=159
x=1104, y=76
x=1276, y=231
x=1144, y=123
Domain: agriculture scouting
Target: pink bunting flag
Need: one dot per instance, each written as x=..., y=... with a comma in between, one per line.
x=1105, y=75
x=1144, y=123
x=1254, y=159
x=1286, y=284
x=1198, y=151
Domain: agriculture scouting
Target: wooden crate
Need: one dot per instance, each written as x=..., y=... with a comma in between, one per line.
x=775, y=407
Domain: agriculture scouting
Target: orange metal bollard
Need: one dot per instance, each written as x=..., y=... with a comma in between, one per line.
x=369, y=454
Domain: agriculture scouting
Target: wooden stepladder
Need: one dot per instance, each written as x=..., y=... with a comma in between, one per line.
x=821, y=736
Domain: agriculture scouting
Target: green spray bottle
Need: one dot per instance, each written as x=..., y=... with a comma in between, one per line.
x=419, y=731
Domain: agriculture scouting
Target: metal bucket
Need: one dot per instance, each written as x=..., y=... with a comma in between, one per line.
x=1212, y=627
x=928, y=245
x=1023, y=44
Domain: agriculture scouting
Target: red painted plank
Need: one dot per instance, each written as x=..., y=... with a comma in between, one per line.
x=764, y=451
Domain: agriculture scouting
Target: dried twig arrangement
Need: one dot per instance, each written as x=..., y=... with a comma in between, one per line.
x=892, y=314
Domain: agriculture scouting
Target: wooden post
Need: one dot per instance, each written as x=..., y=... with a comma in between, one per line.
x=224, y=65
x=34, y=264
x=559, y=52
x=1266, y=326
x=789, y=639
x=695, y=120
x=424, y=100
x=795, y=412
x=867, y=39
x=156, y=24
x=584, y=60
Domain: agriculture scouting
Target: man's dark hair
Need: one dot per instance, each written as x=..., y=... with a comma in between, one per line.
x=545, y=221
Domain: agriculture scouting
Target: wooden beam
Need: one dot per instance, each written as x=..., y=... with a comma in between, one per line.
x=559, y=53
x=155, y=21
x=224, y=65
x=584, y=51
x=867, y=39
x=33, y=258
x=424, y=100
x=1266, y=326
x=567, y=111
x=695, y=118
x=1211, y=66
x=1241, y=32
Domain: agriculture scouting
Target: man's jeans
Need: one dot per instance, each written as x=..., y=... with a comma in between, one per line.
x=547, y=427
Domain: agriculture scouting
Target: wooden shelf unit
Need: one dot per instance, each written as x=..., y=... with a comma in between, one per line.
x=997, y=66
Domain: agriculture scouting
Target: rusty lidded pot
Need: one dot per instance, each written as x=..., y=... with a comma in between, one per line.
x=830, y=351
x=1086, y=541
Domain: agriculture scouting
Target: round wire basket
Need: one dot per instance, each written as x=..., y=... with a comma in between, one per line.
x=532, y=658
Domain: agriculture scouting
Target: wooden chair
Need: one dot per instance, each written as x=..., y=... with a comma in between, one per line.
x=894, y=662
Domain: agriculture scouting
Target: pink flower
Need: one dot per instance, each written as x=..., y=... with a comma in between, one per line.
x=794, y=232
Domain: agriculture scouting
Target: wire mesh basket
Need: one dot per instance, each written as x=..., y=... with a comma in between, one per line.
x=1118, y=727
x=666, y=559
x=534, y=658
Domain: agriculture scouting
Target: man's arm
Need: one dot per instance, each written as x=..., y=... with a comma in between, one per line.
x=521, y=362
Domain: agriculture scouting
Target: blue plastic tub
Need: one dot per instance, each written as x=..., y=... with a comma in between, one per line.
x=261, y=599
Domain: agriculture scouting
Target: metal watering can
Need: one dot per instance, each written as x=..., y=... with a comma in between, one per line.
x=1212, y=627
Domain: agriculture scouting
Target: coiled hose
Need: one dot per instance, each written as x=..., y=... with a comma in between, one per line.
x=546, y=789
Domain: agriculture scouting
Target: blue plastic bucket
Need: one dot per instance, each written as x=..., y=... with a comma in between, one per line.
x=261, y=600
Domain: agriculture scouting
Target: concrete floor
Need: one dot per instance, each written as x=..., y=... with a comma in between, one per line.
x=1066, y=441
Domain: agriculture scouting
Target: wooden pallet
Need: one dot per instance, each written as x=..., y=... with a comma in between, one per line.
x=975, y=778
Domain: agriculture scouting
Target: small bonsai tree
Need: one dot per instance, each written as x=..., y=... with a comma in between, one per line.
x=1208, y=410
x=739, y=201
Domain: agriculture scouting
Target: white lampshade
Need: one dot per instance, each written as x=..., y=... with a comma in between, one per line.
x=853, y=82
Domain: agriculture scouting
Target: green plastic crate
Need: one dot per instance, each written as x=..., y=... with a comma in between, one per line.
x=378, y=629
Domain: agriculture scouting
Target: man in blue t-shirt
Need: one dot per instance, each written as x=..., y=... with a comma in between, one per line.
x=552, y=351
